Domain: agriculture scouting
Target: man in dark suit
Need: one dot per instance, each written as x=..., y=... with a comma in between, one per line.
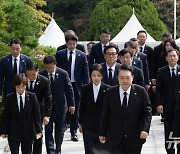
x=126, y=116
x=126, y=57
x=78, y=46
x=143, y=57
x=75, y=63
x=97, y=51
x=62, y=96
x=39, y=85
x=21, y=123
x=142, y=37
x=110, y=66
x=167, y=92
x=11, y=65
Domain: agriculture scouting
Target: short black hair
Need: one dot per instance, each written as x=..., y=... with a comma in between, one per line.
x=31, y=66
x=111, y=46
x=131, y=44
x=106, y=31
x=171, y=50
x=49, y=59
x=142, y=31
x=134, y=39
x=20, y=78
x=166, y=35
x=15, y=41
x=71, y=37
x=97, y=67
x=125, y=51
x=126, y=67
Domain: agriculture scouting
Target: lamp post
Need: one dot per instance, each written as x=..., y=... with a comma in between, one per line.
x=174, y=19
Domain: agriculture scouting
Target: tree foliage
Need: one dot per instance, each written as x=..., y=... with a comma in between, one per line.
x=113, y=14
x=166, y=14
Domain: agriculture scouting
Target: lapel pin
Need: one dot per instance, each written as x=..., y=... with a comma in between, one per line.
x=104, y=91
x=57, y=75
x=135, y=93
x=37, y=83
x=178, y=73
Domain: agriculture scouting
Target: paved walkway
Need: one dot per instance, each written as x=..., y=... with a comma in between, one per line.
x=154, y=144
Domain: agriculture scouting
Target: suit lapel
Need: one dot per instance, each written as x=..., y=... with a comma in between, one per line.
x=131, y=97
x=16, y=103
x=100, y=93
x=105, y=73
x=26, y=101
x=36, y=83
x=77, y=60
x=9, y=62
x=21, y=64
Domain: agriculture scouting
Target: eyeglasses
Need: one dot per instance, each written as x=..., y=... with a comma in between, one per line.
x=111, y=54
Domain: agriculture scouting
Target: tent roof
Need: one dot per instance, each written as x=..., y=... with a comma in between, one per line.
x=178, y=40
x=130, y=30
x=53, y=36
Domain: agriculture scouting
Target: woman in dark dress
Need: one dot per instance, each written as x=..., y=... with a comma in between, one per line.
x=91, y=106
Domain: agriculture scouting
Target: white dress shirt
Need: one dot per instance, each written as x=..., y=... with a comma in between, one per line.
x=102, y=45
x=53, y=75
x=121, y=91
x=17, y=61
x=72, y=64
x=18, y=99
x=112, y=70
x=33, y=84
x=96, y=91
x=142, y=48
x=175, y=70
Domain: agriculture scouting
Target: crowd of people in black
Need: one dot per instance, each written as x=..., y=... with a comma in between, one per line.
x=109, y=94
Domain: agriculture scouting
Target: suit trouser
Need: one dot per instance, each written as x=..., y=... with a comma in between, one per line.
x=37, y=146
x=26, y=147
x=75, y=116
x=168, y=129
x=125, y=148
x=58, y=133
x=92, y=144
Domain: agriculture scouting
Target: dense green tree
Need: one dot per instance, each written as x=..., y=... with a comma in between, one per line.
x=166, y=14
x=113, y=14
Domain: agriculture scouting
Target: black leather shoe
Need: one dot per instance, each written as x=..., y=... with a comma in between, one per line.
x=74, y=138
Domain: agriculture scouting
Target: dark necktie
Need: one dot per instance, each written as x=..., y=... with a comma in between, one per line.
x=15, y=67
x=173, y=77
x=52, y=82
x=124, y=103
x=110, y=76
x=173, y=73
x=21, y=104
x=70, y=62
x=141, y=49
x=31, y=86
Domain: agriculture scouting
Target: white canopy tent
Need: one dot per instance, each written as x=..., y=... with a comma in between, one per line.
x=53, y=36
x=178, y=40
x=130, y=30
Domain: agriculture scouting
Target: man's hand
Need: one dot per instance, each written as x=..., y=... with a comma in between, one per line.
x=38, y=135
x=4, y=135
x=0, y=99
x=160, y=109
x=143, y=135
x=102, y=139
x=153, y=81
x=80, y=128
x=71, y=109
x=147, y=87
x=45, y=120
x=154, y=89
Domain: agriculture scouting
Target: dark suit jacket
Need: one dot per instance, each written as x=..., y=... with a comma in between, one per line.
x=79, y=47
x=63, y=92
x=43, y=92
x=167, y=94
x=149, y=52
x=96, y=55
x=143, y=58
x=137, y=63
x=105, y=78
x=81, y=71
x=20, y=127
x=90, y=111
x=138, y=77
x=115, y=125
x=6, y=73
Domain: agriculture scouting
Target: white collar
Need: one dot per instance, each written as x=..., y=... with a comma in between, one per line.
x=113, y=67
x=122, y=91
